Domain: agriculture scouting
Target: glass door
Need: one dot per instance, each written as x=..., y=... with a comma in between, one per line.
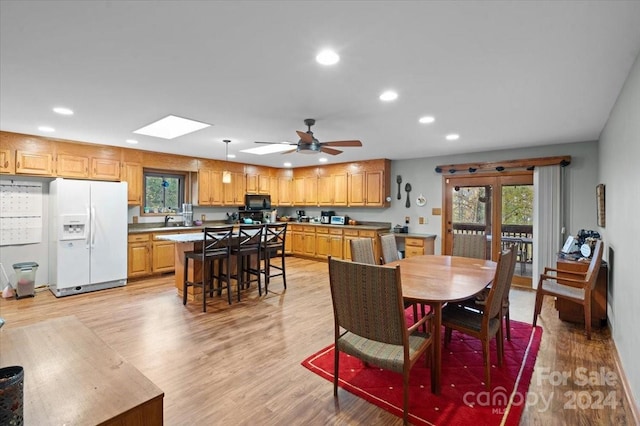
x=498, y=211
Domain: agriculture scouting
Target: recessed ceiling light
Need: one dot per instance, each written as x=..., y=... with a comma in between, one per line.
x=426, y=119
x=269, y=148
x=389, y=95
x=46, y=129
x=327, y=57
x=63, y=111
x=287, y=164
x=171, y=127
x=453, y=137
x=322, y=159
x=132, y=141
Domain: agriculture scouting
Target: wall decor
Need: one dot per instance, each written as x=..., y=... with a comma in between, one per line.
x=600, y=199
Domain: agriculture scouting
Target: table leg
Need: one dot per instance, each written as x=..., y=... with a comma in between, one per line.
x=437, y=350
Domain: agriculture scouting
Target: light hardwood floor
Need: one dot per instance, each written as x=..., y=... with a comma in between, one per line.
x=240, y=364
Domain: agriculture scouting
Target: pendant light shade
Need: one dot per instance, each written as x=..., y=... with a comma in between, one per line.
x=226, y=175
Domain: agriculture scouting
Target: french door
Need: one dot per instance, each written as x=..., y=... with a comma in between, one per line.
x=497, y=206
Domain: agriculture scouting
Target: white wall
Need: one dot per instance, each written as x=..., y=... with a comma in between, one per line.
x=619, y=156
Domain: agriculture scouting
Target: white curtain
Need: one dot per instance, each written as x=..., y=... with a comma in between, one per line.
x=547, y=218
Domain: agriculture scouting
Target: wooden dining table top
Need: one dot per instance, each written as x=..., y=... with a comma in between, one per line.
x=435, y=278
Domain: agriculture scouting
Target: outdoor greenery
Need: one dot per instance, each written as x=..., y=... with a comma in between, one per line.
x=517, y=204
x=164, y=193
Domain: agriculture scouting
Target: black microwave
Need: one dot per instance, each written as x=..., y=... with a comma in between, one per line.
x=257, y=202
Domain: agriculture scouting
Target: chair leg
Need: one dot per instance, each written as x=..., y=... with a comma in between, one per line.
x=186, y=276
x=284, y=273
x=336, y=358
x=507, y=322
x=486, y=355
x=267, y=271
x=538, y=308
x=500, y=346
x=405, y=395
x=205, y=283
x=447, y=335
x=587, y=314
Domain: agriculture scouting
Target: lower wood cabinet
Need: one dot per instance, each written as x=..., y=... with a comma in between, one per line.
x=163, y=255
x=139, y=255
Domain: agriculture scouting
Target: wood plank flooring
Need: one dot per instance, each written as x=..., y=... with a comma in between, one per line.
x=240, y=364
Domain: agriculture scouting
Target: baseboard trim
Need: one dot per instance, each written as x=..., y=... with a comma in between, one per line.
x=625, y=384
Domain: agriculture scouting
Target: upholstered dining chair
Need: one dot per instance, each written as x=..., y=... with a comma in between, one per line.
x=479, y=301
x=216, y=246
x=362, y=251
x=389, y=249
x=470, y=245
x=369, y=321
x=570, y=285
x=248, y=244
x=487, y=324
x=272, y=248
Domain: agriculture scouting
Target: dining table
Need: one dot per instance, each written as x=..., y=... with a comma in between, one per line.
x=436, y=280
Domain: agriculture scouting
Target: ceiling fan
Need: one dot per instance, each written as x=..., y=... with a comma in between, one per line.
x=308, y=144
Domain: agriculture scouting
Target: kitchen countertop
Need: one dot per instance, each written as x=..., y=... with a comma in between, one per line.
x=147, y=228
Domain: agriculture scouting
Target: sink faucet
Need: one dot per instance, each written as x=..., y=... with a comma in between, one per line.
x=167, y=218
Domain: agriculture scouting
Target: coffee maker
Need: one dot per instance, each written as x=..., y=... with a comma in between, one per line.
x=325, y=216
x=300, y=214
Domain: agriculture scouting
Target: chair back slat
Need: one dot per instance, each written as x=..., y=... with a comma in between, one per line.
x=367, y=300
x=275, y=234
x=389, y=248
x=216, y=239
x=362, y=251
x=249, y=236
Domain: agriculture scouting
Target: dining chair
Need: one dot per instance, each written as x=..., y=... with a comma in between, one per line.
x=389, y=249
x=362, y=251
x=248, y=244
x=216, y=246
x=479, y=301
x=470, y=245
x=369, y=322
x=272, y=248
x=571, y=285
x=488, y=323
x=390, y=254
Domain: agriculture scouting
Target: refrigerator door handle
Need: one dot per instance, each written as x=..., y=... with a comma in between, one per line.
x=88, y=234
x=93, y=226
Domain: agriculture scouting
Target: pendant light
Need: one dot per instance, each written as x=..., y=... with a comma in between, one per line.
x=226, y=175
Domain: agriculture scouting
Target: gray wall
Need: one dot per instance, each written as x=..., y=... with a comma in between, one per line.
x=619, y=153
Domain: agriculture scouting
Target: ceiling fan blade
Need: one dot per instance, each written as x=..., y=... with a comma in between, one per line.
x=330, y=151
x=289, y=152
x=343, y=143
x=304, y=137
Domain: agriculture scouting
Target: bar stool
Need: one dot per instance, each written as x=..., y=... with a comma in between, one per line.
x=273, y=246
x=215, y=246
x=248, y=244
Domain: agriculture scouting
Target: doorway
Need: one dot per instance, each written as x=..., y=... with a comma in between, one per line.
x=497, y=207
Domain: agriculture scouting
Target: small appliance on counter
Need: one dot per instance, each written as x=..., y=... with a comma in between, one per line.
x=325, y=216
x=301, y=214
x=339, y=220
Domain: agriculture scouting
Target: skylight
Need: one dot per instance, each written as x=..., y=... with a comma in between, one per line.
x=171, y=127
x=269, y=148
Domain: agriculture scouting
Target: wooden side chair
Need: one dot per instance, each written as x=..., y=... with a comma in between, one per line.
x=273, y=247
x=389, y=249
x=470, y=245
x=216, y=246
x=362, y=251
x=572, y=285
x=487, y=324
x=369, y=321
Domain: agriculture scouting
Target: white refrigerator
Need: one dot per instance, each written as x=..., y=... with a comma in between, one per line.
x=87, y=236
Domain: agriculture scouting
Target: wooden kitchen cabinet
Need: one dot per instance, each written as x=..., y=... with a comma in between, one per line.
x=573, y=312
x=104, y=169
x=305, y=191
x=72, y=166
x=210, y=187
x=163, y=255
x=329, y=242
x=303, y=240
x=233, y=192
x=132, y=174
x=7, y=164
x=139, y=255
x=86, y=161
x=351, y=233
x=34, y=163
x=258, y=180
x=285, y=191
x=332, y=190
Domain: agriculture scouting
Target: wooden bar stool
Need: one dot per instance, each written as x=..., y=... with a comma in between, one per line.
x=216, y=245
x=248, y=244
x=273, y=247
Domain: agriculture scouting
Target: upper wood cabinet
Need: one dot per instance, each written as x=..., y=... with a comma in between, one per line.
x=305, y=187
x=210, y=187
x=88, y=161
x=332, y=189
x=369, y=184
x=34, y=163
x=258, y=180
x=234, y=192
x=132, y=174
x=7, y=164
x=285, y=191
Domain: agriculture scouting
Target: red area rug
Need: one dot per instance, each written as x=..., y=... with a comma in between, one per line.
x=463, y=399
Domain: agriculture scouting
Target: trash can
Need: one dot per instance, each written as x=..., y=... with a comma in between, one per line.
x=25, y=278
x=11, y=395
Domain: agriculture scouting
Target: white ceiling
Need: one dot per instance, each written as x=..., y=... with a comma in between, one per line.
x=501, y=74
